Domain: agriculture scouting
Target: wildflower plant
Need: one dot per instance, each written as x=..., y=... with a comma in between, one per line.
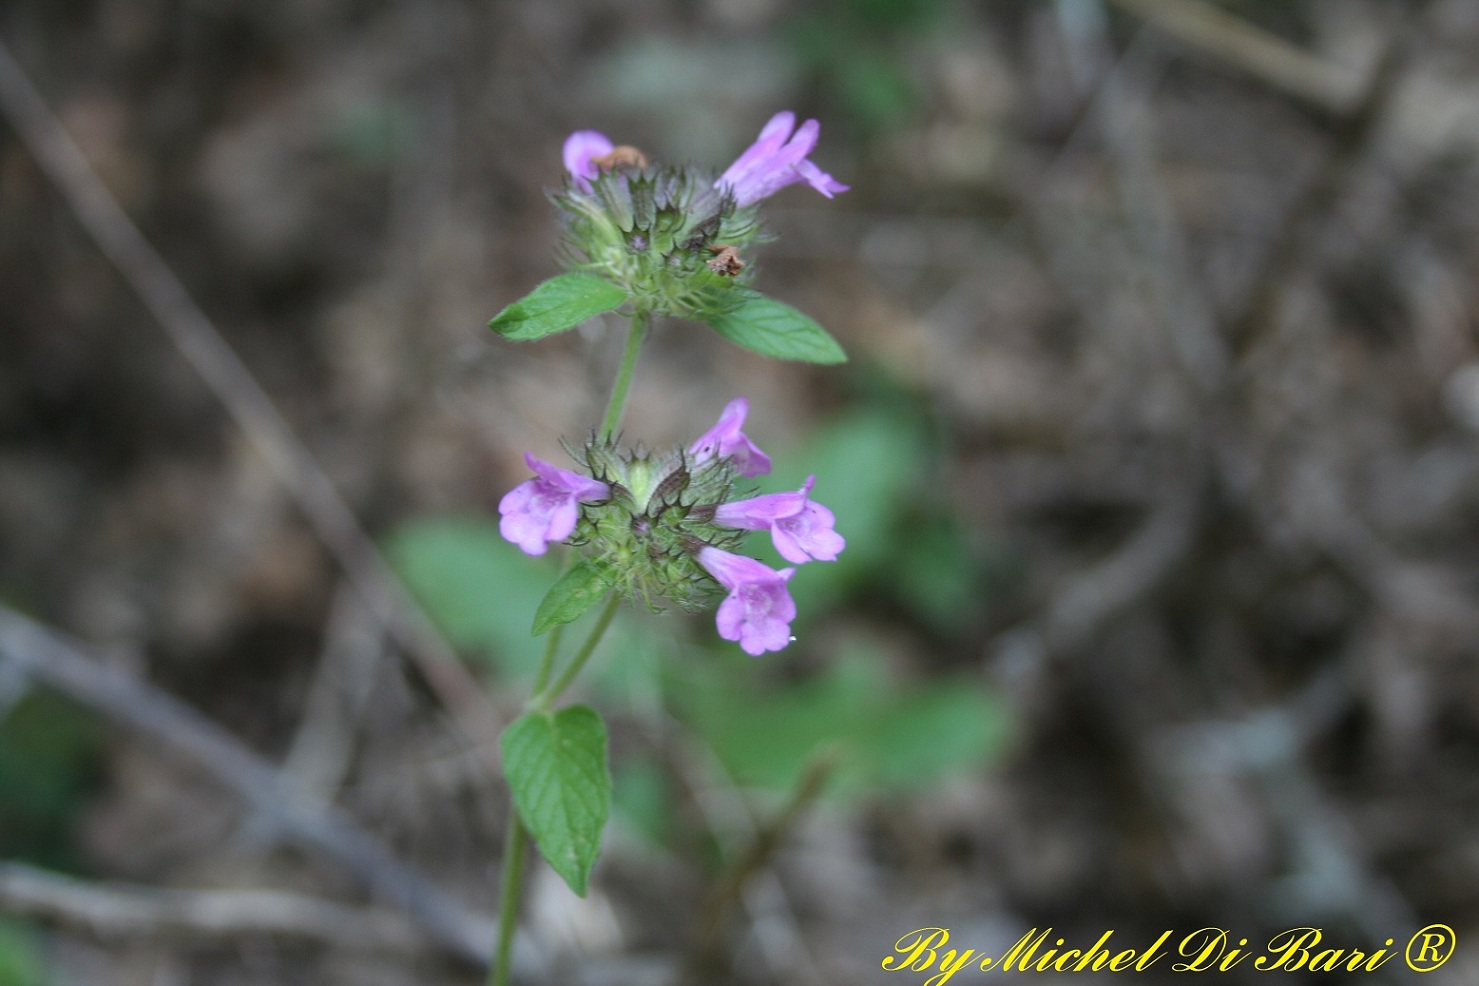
x=645, y=526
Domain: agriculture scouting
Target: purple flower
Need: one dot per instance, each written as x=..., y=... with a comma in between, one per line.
x=545, y=508
x=801, y=529
x=759, y=610
x=581, y=150
x=726, y=441
x=777, y=159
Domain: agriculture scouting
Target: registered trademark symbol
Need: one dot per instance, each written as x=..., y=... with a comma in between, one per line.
x=1430, y=947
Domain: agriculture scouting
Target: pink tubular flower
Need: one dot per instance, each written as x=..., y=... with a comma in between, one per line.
x=726, y=441
x=801, y=529
x=759, y=610
x=545, y=508
x=777, y=159
x=581, y=148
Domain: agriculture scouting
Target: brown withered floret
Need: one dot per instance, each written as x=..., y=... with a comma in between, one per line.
x=726, y=261
x=620, y=156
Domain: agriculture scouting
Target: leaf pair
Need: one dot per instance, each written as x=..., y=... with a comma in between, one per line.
x=759, y=324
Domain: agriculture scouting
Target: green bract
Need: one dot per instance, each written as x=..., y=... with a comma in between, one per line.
x=641, y=542
x=652, y=233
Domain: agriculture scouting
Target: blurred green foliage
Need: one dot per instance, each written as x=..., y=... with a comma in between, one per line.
x=48, y=750
x=879, y=469
x=887, y=736
x=21, y=962
x=481, y=591
x=856, y=50
x=372, y=133
x=641, y=797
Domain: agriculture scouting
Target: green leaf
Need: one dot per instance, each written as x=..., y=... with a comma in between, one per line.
x=556, y=305
x=575, y=592
x=555, y=763
x=766, y=326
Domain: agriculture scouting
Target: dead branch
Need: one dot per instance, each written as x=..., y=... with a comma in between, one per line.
x=1263, y=55
x=323, y=748
x=63, y=664
x=115, y=910
x=1355, y=136
x=1082, y=606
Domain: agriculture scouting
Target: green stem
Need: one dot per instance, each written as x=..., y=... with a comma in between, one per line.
x=618, y=401
x=544, y=697
x=547, y=661
x=508, y=899
x=552, y=640
x=545, y=692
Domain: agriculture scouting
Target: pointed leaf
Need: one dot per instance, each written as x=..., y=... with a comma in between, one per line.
x=770, y=328
x=556, y=305
x=575, y=592
x=555, y=763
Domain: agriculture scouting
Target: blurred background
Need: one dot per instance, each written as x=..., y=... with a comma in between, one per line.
x=1156, y=456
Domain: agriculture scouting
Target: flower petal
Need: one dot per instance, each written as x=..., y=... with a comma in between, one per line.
x=819, y=179
x=581, y=487
x=808, y=536
x=733, y=570
x=760, y=512
x=800, y=527
x=580, y=148
x=726, y=441
x=547, y=507
x=757, y=616
x=758, y=612
x=777, y=159
x=772, y=137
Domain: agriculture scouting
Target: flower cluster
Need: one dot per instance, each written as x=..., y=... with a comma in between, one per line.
x=665, y=526
x=672, y=237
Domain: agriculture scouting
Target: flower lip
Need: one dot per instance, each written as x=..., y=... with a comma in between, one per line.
x=801, y=529
x=758, y=612
x=776, y=159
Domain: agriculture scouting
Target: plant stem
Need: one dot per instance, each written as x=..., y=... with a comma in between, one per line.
x=508, y=898
x=623, y=383
x=704, y=962
x=545, y=692
x=547, y=660
x=543, y=698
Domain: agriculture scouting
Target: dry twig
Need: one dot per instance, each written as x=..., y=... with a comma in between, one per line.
x=323, y=749
x=1356, y=134
x=51, y=658
x=707, y=955
x=1261, y=54
x=123, y=910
